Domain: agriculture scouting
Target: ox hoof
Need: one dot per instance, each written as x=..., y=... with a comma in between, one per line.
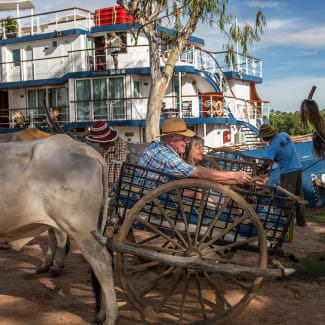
x=42, y=269
x=53, y=274
x=98, y=321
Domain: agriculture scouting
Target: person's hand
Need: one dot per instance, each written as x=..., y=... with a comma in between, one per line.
x=259, y=180
x=243, y=177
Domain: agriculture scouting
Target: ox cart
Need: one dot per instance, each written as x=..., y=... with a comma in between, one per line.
x=201, y=247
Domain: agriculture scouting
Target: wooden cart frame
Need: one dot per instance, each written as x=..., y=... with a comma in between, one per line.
x=202, y=247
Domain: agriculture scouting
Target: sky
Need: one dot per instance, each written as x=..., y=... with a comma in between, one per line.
x=292, y=46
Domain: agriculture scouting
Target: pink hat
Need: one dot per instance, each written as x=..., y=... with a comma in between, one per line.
x=102, y=133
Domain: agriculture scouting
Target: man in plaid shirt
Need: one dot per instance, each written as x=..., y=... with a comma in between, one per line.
x=164, y=156
x=111, y=147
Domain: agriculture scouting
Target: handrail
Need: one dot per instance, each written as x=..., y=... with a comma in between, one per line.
x=46, y=13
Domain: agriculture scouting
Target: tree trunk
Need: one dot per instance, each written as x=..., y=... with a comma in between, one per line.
x=156, y=96
x=160, y=80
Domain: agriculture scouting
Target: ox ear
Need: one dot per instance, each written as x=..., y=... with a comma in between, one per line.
x=54, y=125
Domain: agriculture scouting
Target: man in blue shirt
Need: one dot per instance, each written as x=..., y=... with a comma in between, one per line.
x=164, y=156
x=282, y=150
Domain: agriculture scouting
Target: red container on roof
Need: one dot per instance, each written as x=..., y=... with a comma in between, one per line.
x=112, y=15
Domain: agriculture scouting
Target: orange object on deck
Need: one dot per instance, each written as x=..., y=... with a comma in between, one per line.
x=212, y=104
x=112, y=15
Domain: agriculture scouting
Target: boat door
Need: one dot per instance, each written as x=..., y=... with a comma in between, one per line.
x=4, y=109
x=100, y=57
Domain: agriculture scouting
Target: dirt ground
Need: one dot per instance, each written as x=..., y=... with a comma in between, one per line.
x=27, y=298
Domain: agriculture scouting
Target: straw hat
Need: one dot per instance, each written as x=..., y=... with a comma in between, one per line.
x=176, y=126
x=266, y=131
x=100, y=132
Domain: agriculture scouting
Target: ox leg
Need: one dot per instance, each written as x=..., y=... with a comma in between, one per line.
x=101, y=263
x=58, y=264
x=51, y=250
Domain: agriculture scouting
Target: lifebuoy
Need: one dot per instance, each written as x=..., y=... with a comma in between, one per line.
x=219, y=108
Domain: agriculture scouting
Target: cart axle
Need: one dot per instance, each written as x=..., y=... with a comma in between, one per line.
x=193, y=262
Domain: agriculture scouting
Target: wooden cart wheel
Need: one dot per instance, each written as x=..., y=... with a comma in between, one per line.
x=210, y=227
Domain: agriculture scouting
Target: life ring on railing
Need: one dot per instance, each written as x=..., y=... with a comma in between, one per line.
x=245, y=111
x=219, y=108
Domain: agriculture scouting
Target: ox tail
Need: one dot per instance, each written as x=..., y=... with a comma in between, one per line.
x=105, y=197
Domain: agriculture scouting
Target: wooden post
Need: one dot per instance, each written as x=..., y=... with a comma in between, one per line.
x=311, y=93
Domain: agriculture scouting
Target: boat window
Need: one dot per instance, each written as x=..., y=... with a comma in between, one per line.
x=52, y=97
x=99, y=96
x=55, y=100
x=83, y=94
x=16, y=57
x=136, y=88
x=62, y=103
x=32, y=99
x=116, y=91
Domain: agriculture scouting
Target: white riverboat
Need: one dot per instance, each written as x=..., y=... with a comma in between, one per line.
x=58, y=59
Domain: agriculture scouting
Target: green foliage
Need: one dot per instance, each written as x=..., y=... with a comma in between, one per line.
x=177, y=13
x=10, y=24
x=290, y=123
x=310, y=268
x=317, y=218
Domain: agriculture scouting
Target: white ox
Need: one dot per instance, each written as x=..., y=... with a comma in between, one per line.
x=60, y=183
x=57, y=247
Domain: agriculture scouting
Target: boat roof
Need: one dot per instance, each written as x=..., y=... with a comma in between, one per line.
x=12, y=5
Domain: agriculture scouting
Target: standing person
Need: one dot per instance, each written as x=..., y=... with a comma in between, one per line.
x=165, y=157
x=111, y=147
x=115, y=44
x=282, y=150
x=194, y=151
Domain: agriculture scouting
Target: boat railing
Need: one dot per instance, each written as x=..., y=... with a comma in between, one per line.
x=35, y=117
x=248, y=110
x=112, y=109
x=242, y=65
x=52, y=21
x=134, y=108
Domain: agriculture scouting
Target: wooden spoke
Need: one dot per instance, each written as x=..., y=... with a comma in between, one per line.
x=199, y=219
x=156, y=281
x=215, y=220
x=239, y=283
x=185, y=291
x=171, y=289
x=200, y=296
x=148, y=239
x=219, y=295
x=155, y=248
x=227, y=230
x=235, y=244
x=180, y=200
x=163, y=212
x=141, y=267
x=157, y=231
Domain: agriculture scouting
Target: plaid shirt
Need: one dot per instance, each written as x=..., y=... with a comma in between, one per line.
x=113, y=151
x=163, y=158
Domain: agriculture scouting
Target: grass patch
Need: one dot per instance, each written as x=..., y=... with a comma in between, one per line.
x=318, y=217
x=310, y=268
